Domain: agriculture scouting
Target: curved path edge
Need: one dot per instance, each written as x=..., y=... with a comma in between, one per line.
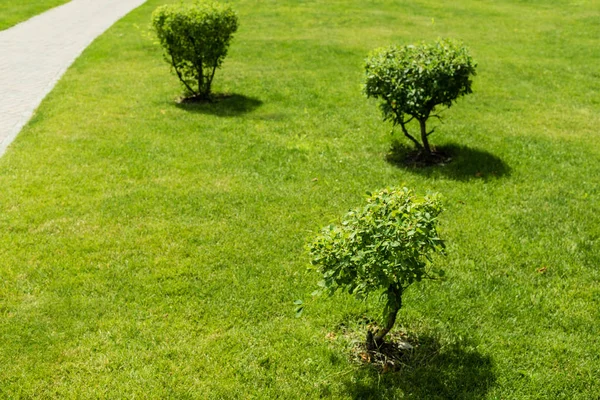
x=37, y=52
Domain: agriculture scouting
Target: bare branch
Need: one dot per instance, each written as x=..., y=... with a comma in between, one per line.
x=180, y=76
x=408, y=135
x=210, y=79
x=410, y=119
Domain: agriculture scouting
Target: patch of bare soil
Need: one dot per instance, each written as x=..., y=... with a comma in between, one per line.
x=389, y=356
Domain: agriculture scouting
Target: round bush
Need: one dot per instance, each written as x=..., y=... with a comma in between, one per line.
x=195, y=39
x=411, y=81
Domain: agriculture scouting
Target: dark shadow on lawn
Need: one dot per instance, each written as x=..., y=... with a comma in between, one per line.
x=431, y=371
x=460, y=162
x=222, y=105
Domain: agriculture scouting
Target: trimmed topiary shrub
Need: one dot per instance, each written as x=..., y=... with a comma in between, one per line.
x=412, y=81
x=382, y=247
x=195, y=39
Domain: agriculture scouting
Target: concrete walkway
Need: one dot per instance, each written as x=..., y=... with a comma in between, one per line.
x=34, y=54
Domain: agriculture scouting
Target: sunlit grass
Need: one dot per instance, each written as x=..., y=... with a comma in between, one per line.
x=150, y=249
x=14, y=11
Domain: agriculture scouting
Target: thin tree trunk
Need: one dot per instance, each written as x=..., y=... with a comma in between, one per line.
x=408, y=135
x=180, y=76
x=424, y=138
x=201, y=84
x=197, y=63
x=209, y=80
x=375, y=341
x=402, y=123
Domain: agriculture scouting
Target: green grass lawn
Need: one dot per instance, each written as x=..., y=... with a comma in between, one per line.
x=154, y=250
x=14, y=11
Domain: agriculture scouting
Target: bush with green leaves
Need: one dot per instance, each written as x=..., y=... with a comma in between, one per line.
x=412, y=81
x=383, y=248
x=195, y=38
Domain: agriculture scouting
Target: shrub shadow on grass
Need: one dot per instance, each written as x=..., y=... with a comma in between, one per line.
x=458, y=162
x=222, y=105
x=431, y=371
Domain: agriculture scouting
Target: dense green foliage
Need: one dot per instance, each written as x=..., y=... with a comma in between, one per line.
x=150, y=249
x=411, y=81
x=384, y=246
x=14, y=11
x=195, y=39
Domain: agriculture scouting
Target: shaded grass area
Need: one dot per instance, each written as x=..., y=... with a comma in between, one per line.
x=154, y=249
x=14, y=11
x=457, y=162
x=223, y=105
x=433, y=371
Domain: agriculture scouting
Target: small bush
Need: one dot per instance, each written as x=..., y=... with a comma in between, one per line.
x=411, y=81
x=384, y=246
x=195, y=39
